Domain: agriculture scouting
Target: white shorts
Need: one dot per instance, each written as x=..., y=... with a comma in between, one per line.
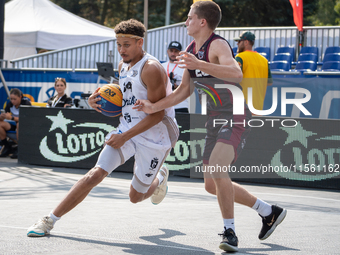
x=147, y=161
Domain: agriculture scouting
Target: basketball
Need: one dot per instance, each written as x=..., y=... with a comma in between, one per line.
x=111, y=100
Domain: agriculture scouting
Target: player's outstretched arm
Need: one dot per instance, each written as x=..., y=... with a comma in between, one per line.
x=179, y=94
x=222, y=65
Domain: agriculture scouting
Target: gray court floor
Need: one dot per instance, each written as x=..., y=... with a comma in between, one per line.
x=186, y=222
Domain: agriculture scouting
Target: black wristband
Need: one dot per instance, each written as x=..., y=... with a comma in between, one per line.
x=12, y=118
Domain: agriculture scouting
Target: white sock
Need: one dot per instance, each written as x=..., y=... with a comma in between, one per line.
x=229, y=223
x=160, y=177
x=262, y=208
x=54, y=218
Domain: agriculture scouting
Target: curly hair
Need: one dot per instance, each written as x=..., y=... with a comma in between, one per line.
x=208, y=10
x=131, y=26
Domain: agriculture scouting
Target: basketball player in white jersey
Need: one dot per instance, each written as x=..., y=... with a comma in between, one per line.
x=148, y=137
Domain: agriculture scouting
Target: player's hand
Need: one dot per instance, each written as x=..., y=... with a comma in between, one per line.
x=93, y=99
x=144, y=105
x=2, y=116
x=187, y=60
x=116, y=141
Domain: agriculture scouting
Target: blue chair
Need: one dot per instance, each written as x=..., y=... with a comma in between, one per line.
x=331, y=57
x=308, y=57
x=310, y=50
x=279, y=66
x=264, y=51
x=282, y=57
x=304, y=66
x=289, y=50
x=235, y=50
x=334, y=49
x=331, y=66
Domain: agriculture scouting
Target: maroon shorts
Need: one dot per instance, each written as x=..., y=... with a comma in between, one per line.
x=233, y=130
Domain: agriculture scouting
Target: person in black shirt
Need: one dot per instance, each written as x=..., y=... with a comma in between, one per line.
x=9, y=120
x=60, y=99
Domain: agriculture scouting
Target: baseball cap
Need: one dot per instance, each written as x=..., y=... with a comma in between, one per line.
x=175, y=45
x=246, y=35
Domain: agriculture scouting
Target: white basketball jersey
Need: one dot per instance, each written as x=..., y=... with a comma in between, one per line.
x=164, y=133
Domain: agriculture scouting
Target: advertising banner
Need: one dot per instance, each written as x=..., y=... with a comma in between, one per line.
x=285, y=151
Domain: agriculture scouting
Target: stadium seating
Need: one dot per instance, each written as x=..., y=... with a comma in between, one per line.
x=282, y=57
x=334, y=49
x=331, y=66
x=304, y=66
x=308, y=57
x=310, y=50
x=279, y=66
x=264, y=51
x=331, y=57
x=289, y=50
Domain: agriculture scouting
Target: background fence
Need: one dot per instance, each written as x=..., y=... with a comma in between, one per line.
x=86, y=56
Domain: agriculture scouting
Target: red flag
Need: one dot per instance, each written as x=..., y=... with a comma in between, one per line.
x=297, y=13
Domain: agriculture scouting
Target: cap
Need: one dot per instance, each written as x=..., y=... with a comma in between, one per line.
x=246, y=35
x=175, y=45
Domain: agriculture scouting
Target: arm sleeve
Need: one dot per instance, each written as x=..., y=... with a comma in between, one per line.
x=239, y=61
x=8, y=107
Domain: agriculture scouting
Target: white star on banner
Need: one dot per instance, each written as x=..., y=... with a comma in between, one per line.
x=59, y=121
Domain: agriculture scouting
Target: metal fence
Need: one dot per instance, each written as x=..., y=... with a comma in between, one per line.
x=86, y=56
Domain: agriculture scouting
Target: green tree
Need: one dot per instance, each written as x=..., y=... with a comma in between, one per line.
x=327, y=14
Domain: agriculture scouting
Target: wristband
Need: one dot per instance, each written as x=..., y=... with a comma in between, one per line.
x=12, y=118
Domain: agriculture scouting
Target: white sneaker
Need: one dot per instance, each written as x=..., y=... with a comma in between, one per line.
x=41, y=228
x=162, y=189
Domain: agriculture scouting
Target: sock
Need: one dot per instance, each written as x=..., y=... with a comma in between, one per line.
x=262, y=208
x=229, y=223
x=160, y=177
x=54, y=218
x=5, y=143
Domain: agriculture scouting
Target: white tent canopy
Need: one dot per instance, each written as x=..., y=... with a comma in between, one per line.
x=31, y=24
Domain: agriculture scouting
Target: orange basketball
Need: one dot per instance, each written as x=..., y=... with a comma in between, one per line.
x=111, y=100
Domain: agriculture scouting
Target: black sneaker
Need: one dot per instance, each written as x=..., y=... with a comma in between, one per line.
x=270, y=222
x=229, y=241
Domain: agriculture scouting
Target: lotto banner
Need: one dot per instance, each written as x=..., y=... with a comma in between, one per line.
x=285, y=151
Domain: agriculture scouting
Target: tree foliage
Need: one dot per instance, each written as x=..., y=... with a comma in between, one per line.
x=236, y=13
x=327, y=14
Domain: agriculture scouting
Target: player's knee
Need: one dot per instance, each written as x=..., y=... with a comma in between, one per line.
x=94, y=176
x=135, y=197
x=210, y=188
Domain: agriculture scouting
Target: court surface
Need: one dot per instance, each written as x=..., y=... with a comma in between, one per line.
x=186, y=222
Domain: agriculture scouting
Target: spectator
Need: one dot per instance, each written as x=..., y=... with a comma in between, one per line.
x=60, y=99
x=255, y=68
x=175, y=73
x=10, y=121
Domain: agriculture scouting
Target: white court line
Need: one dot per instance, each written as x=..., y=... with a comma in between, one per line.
x=113, y=239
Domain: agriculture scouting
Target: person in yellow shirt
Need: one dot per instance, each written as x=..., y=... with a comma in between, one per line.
x=255, y=68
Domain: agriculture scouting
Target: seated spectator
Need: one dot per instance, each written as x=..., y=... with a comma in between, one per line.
x=60, y=99
x=11, y=113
